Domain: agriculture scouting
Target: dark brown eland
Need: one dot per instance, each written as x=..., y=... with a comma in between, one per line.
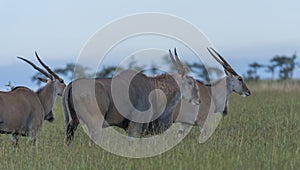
x=99, y=107
x=23, y=111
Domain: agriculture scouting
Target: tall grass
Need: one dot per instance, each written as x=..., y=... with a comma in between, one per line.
x=260, y=132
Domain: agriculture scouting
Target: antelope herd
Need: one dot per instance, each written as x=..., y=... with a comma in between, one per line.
x=139, y=104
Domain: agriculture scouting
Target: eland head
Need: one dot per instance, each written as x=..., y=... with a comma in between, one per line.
x=187, y=84
x=236, y=82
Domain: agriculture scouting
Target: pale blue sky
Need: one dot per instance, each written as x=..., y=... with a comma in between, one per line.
x=243, y=31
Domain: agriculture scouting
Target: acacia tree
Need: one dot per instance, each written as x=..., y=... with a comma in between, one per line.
x=67, y=71
x=108, y=71
x=205, y=73
x=252, y=73
x=285, y=65
x=271, y=69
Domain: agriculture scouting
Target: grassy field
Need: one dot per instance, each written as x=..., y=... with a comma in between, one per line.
x=260, y=132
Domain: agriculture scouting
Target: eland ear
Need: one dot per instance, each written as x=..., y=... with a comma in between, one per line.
x=227, y=73
x=42, y=79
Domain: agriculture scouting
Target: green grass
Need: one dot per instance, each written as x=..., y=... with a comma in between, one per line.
x=260, y=132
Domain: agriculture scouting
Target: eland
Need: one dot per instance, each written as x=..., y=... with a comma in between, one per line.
x=214, y=97
x=54, y=87
x=23, y=111
x=85, y=105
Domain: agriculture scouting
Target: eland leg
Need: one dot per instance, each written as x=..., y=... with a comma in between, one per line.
x=182, y=130
x=14, y=139
x=70, y=130
x=94, y=134
x=32, y=138
x=135, y=130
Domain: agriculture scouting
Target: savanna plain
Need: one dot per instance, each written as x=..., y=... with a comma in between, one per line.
x=261, y=131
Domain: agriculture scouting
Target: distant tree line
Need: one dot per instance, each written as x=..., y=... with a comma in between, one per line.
x=281, y=67
x=203, y=73
x=81, y=72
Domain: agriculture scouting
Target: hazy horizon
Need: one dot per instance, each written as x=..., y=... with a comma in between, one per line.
x=243, y=32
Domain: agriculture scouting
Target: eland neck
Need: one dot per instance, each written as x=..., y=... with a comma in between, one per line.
x=220, y=93
x=47, y=96
x=168, y=85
